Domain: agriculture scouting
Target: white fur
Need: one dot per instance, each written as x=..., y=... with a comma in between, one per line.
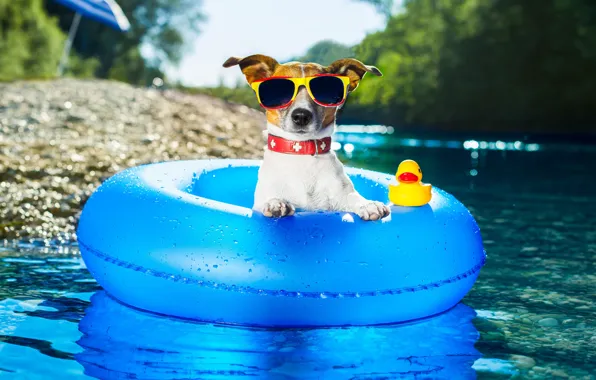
x=308, y=182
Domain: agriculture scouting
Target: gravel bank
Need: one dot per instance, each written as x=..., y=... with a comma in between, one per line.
x=60, y=139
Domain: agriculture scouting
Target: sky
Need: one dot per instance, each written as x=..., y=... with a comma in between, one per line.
x=279, y=28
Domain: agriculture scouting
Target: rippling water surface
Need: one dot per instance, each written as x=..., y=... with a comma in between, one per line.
x=530, y=315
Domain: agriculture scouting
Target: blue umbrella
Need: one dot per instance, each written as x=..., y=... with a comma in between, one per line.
x=105, y=11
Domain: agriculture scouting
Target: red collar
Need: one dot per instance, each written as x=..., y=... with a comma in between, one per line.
x=308, y=147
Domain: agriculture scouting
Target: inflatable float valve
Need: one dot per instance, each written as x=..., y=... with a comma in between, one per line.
x=409, y=191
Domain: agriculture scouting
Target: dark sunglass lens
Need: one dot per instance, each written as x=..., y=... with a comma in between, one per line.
x=327, y=90
x=276, y=92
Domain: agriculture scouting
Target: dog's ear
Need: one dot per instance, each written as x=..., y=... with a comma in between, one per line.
x=254, y=67
x=353, y=69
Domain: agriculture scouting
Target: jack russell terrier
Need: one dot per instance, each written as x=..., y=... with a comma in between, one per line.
x=299, y=170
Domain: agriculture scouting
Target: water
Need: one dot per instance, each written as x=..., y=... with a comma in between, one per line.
x=531, y=313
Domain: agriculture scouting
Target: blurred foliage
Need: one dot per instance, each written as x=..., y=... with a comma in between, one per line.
x=160, y=27
x=30, y=41
x=32, y=35
x=483, y=64
x=385, y=7
x=472, y=65
x=325, y=52
x=81, y=68
x=453, y=64
x=241, y=93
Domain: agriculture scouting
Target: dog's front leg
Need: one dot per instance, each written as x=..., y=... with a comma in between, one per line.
x=271, y=196
x=272, y=205
x=277, y=208
x=364, y=208
x=349, y=200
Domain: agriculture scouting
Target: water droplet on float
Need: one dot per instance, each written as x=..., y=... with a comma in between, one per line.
x=216, y=266
x=323, y=295
x=235, y=241
x=250, y=271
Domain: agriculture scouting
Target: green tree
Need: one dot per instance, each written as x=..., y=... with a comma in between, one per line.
x=529, y=64
x=30, y=41
x=159, y=28
x=385, y=7
x=407, y=52
x=507, y=64
x=325, y=52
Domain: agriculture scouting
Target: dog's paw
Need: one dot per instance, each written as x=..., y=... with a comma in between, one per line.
x=373, y=211
x=276, y=208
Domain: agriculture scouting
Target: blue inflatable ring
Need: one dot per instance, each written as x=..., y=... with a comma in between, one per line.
x=179, y=239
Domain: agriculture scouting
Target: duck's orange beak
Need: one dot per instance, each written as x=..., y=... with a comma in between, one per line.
x=407, y=177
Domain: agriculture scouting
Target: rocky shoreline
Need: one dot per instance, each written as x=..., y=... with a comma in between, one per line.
x=60, y=139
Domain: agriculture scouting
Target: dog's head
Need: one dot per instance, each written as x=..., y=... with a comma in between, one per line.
x=303, y=116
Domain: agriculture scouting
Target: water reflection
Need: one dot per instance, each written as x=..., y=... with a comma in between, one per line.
x=119, y=342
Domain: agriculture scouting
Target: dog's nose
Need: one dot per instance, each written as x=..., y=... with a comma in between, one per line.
x=301, y=117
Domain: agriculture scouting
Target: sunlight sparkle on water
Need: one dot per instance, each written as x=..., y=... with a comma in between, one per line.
x=500, y=145
x=349, y=148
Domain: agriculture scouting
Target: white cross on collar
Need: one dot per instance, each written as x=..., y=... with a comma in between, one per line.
x=297, y=147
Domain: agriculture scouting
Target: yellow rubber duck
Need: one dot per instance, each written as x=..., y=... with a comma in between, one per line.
x=409, y=191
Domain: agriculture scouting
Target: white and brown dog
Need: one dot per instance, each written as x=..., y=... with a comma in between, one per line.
x=299, y=170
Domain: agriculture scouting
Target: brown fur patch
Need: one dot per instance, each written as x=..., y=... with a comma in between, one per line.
x=295, y=70
x=254, y=67
x=329, y=117
x=353, y=69
x=273, y=116
x=288, y=70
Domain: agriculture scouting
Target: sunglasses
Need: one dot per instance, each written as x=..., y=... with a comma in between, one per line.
x=327, y=90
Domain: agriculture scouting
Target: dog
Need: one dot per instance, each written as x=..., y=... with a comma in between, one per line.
x=299, y=169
